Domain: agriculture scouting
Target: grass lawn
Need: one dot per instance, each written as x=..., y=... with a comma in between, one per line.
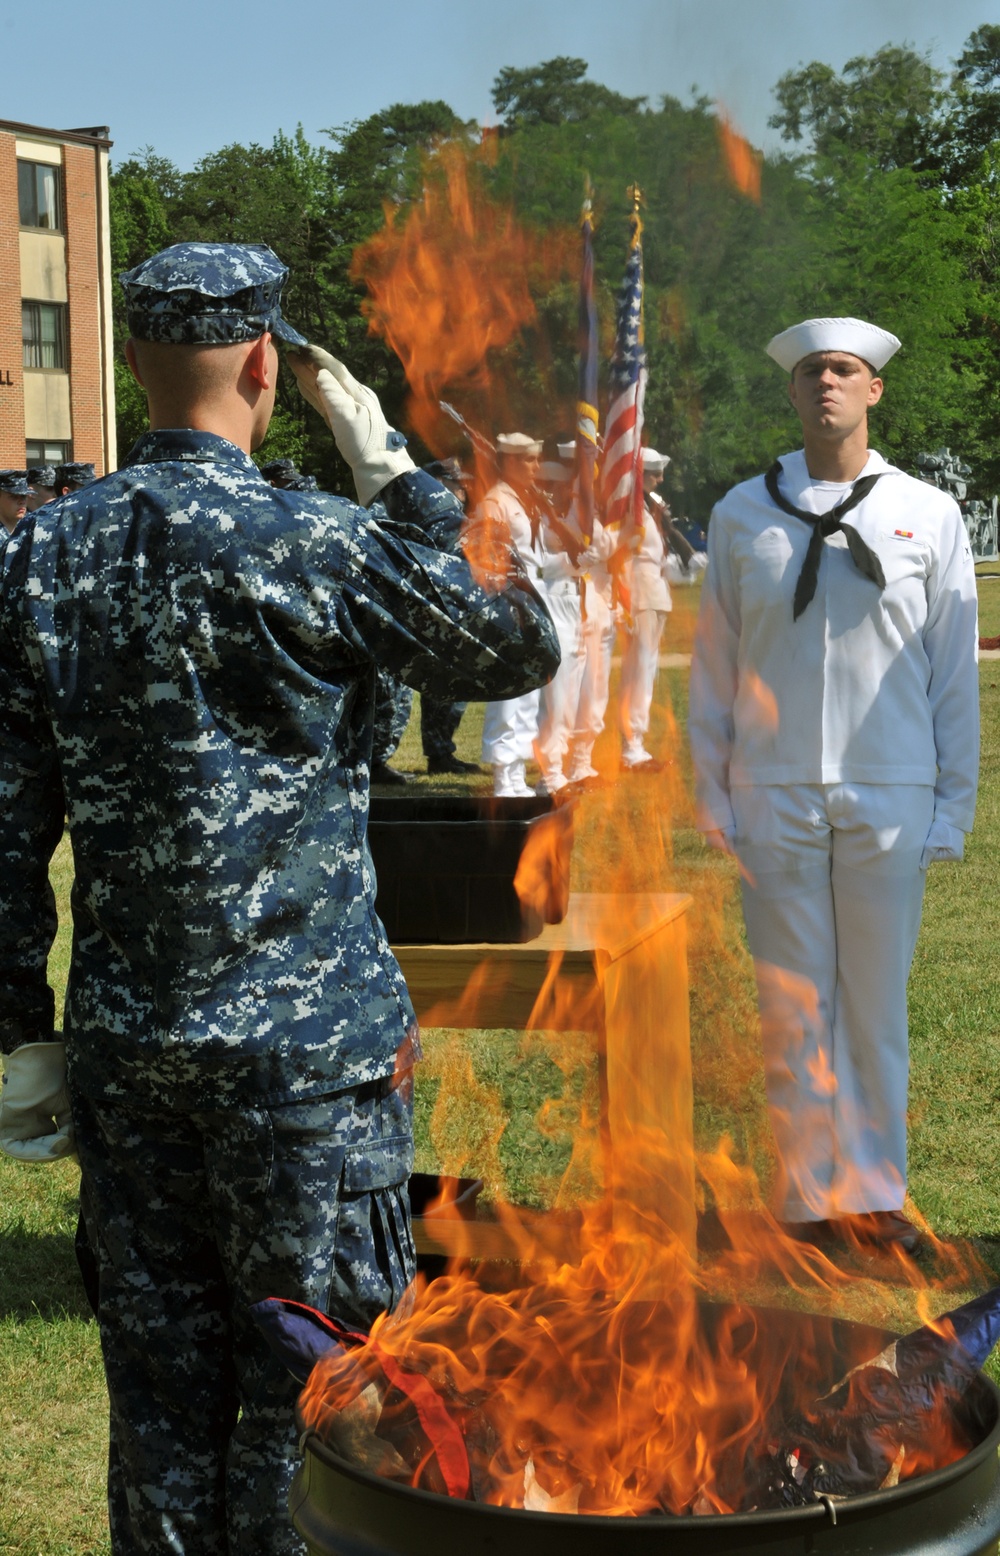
x=512, y=1104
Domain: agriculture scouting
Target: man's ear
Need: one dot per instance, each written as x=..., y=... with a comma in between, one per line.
x=875, y=391
x=131, y=359
x=262, y=363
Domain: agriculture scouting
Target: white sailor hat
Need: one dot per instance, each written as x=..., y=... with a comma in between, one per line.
x=653, y=462
x=567, y=450
x=866, y=341
x=518, y=443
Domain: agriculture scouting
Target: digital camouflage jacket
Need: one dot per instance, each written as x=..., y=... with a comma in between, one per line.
x=187, y=672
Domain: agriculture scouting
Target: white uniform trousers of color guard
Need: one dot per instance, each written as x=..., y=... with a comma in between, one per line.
x=509, y=730
x=640, y=659
x=832, y=894
x=558, y=700
x=595, y=681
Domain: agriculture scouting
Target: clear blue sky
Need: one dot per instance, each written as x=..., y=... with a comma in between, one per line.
x=191, y=76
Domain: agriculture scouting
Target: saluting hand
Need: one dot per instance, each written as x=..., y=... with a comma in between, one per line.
x=375, y=452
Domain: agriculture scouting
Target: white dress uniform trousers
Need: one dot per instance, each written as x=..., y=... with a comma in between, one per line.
x=510, y=726
x=838, y=752
x=557, y=701
x=650, y=602
x=598, y=650
x=832, y=892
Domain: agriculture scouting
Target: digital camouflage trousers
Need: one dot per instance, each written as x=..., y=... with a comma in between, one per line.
x=193, y=1218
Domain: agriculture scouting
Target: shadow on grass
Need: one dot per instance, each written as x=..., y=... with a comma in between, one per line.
x=39, y=1276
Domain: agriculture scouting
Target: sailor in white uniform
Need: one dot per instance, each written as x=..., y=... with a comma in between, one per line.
x=563, y=556
x=510, y=726
x=601, y=612
x=835, y=734
x=649, y=603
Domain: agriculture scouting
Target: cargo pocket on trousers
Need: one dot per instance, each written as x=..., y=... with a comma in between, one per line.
x=374, y=1258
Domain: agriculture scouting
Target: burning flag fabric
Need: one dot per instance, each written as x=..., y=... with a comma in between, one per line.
x=586, y=405
x=376, y=1414
x=621, y=479
x=901, y=1413
x=904, y=1411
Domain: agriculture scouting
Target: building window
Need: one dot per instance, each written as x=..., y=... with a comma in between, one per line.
x=38, y=195
x=43, y=334
x=36, y=453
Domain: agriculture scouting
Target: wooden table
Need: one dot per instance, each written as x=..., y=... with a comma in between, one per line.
x=617, y=967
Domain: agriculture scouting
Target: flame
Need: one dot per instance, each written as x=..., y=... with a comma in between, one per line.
x=763, y=702
x=742, y=161
x=613, y=1358
x=451, y=281
x=542, y=877
x=618, y=1368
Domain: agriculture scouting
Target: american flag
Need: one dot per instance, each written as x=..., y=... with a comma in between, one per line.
x=586, y=405
x=621, y=479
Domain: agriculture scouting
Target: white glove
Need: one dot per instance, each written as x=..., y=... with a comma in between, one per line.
x=375, y=453
x=944, y=844
x=35, y=1121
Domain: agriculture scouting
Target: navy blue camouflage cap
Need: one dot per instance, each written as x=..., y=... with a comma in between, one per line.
x=208, y=294
x=14, y=482
x=75, y=473
x=448, y=470
x=279, y=470
x=42, y=475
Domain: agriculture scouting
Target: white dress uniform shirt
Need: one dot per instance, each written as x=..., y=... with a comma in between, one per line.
x=648, y=569
x=504, y=505
x=868, y=686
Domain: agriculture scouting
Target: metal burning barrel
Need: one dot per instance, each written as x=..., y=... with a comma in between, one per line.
x=341, y=1510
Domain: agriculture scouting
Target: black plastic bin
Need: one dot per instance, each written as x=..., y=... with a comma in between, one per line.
x=445, y=867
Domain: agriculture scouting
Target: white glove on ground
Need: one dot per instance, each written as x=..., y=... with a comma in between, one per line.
x=35, y=1121
x=944, y=844
x=375, y=453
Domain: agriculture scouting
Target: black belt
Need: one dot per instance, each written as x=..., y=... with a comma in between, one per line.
x=824, y=524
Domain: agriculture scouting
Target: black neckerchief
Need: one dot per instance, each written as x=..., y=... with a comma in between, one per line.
x=823, y=524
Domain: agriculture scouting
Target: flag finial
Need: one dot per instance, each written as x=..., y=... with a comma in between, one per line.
x=587, y=207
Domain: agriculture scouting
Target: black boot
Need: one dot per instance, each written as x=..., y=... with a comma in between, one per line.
x=381, y=772
x=451, y=764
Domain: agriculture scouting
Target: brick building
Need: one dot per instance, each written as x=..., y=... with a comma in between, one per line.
x=57, y=396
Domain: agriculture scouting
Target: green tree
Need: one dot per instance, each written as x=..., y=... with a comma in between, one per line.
x=555, y=92
x=886, y=106
x=974, y=118
x=138, y=194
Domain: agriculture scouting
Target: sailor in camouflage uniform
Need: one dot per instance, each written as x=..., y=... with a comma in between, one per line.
x=73, y=477
x=439, y=717
x=14, y=492
x=393, y=706
x=187, y=672
x=41, y=485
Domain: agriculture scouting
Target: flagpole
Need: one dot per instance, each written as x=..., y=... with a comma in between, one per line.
x=635, y=245
x=587, y=415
